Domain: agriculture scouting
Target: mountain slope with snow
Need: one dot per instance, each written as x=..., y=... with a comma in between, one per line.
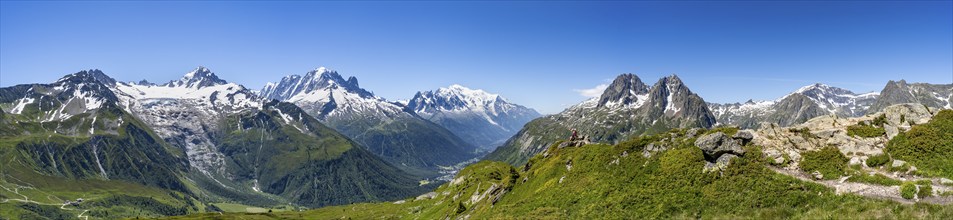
x=805, y=103
x=384, y=128
x=818, y=99
x=199, y=135
x=625, y=109
x=480, y=118
x=185, y=112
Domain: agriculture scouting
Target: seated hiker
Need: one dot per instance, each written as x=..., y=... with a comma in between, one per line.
x=574, y=136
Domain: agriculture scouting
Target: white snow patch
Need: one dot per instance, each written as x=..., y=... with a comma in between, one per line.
x=669, y=104
x=92, y=126
x=22, y=104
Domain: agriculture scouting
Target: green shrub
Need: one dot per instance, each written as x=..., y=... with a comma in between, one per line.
x=879, y=121
x=902, y=168
x=460, y=208
x=829, y=161
x=927, y=146
x=804, y=132
x=925, y=191
x=907, y=190
x=878, y=160
x=867, y=131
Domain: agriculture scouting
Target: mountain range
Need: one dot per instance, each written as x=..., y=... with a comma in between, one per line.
x=819, y=99
x=195, y=139
x=200, y=143
x=482, y=119
x=628, y=107
x=433, y=131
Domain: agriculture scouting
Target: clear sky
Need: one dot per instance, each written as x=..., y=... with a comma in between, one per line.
x=543, y=55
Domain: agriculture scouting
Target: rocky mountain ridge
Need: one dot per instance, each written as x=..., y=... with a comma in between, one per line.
x=819, y=99
x=627, y=108
x=385, y=128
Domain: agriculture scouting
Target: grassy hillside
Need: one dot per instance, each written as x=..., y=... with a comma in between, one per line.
x=410, y=143
x=615, y=181
x=119, y=169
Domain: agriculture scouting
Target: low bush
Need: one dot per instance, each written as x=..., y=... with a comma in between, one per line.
x=867, y=131
x=878, y=160
x=829, y=161
x=804, y=132
x=907, y=190
x=879, y=121
x=925, y=191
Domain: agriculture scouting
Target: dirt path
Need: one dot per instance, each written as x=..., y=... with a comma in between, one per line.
x=872, y=190
x=27, y=200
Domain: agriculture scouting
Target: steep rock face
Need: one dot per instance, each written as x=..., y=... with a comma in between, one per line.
x=794, y=109
x=480, y=118
x=930, y=95
x=384, y=128
x=626, y=109
x=625, y=90
x=805, y=103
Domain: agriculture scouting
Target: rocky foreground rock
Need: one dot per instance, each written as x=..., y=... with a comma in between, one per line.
x=784, y=144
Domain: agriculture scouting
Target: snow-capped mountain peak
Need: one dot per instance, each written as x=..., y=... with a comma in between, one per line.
x=324, y=91
x=200, y=85
x=197, y=78
x=469, y=98
x=316, y=85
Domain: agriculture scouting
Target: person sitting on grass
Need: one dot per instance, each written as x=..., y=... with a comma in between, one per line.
x=575, y=136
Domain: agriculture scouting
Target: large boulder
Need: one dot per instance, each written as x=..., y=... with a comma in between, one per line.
x=716, y=144
x=744, y=136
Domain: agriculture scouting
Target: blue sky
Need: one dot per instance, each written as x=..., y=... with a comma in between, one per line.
x=539, y=54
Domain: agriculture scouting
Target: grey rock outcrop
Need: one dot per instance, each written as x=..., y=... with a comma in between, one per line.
x=717, y=144
x=719, y=149
x=744, y=136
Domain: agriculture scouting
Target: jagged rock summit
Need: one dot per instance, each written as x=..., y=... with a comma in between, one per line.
x=626, y=108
